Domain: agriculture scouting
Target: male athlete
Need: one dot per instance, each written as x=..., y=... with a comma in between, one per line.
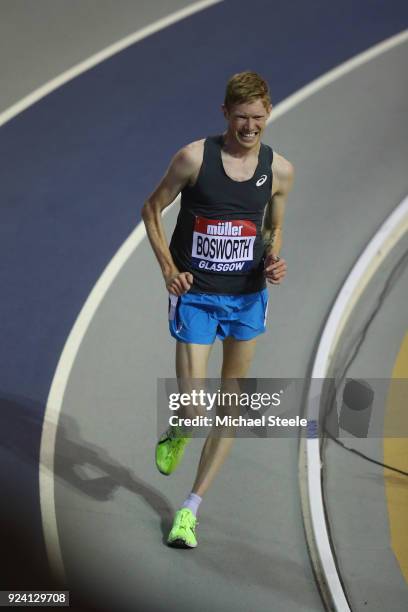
x=226, y=243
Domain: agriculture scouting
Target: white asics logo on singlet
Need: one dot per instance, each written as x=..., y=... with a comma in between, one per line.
x=261, y=180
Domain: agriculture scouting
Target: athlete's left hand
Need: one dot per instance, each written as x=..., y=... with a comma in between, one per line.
x=275, y=269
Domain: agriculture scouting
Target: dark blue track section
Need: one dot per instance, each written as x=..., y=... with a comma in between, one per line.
x=76, y=168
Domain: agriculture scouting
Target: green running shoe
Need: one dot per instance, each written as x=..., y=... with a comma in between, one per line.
x=170, y=450
x=182, y=534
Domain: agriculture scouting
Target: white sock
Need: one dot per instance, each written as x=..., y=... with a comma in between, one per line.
x=192, y=502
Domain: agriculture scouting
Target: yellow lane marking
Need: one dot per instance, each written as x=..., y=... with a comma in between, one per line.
x=396, y=454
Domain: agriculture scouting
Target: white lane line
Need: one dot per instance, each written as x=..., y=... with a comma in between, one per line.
x=310, y=465
x=316, y=85
x=61, y=376
x=99, y=57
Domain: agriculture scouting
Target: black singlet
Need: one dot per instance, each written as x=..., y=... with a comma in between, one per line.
x=218, y=232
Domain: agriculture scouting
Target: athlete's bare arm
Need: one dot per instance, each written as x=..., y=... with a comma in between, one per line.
x=283, y=173
x=183, y=169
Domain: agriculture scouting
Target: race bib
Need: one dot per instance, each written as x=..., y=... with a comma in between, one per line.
x=223, y=246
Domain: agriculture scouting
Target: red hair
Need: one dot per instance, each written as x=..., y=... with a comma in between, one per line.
x=246, y=87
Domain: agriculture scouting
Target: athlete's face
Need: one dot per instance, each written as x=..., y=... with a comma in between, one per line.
x=247, y=121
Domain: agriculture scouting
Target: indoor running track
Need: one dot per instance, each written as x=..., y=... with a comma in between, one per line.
x=76, y=168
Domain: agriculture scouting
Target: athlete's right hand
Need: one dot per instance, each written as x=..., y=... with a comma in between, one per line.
x=179, y=283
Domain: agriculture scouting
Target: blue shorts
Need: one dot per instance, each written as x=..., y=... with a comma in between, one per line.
x=199, y=318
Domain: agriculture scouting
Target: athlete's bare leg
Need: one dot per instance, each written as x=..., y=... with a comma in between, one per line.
x=237, y=358
x=192, y=360
x=191, y=367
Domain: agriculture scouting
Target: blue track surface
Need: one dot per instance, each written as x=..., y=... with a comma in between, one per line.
x=77, y=166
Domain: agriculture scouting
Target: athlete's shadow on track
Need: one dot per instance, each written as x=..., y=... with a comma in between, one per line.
x=73, y=453
x=21, y=426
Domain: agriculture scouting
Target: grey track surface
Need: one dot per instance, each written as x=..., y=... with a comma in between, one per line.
x=113, y=509
x=359, y=522
x=41, y=39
